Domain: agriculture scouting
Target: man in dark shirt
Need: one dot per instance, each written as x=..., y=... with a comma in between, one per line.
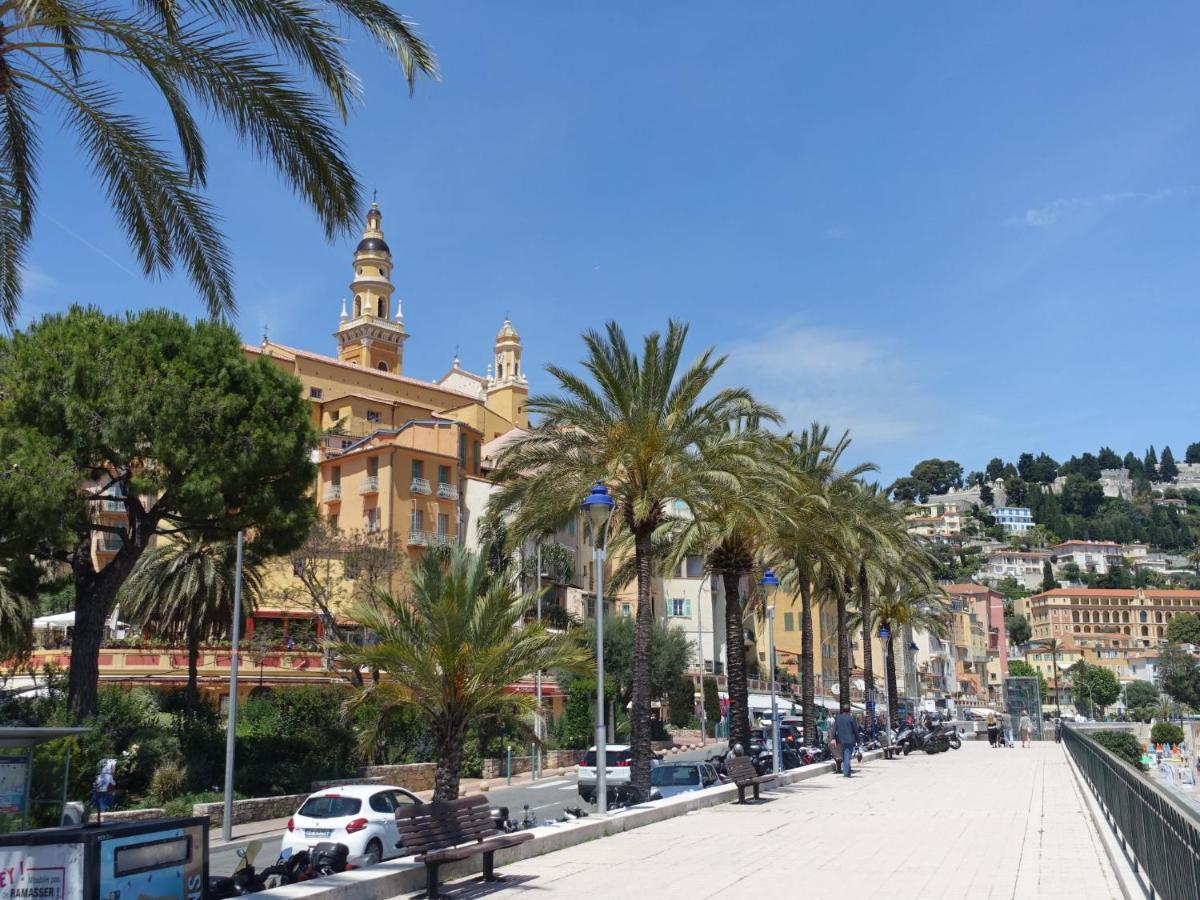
x=845, y=732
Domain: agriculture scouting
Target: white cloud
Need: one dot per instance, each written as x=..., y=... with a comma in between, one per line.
x=37, y=281
x=1069, y=208
x=840, y=378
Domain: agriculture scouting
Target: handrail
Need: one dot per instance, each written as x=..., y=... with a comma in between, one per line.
x=1160, y=835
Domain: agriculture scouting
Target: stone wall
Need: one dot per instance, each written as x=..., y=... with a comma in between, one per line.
x=251, y=810
x=554, y=759
x=133, y=815
x=414, y=777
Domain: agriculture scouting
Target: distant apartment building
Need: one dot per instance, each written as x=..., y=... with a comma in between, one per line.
x=1170, y=502
x=1013, y=519
x=988, y=607
x=1096, y=557
x=1106, y=616
x=1023, y=565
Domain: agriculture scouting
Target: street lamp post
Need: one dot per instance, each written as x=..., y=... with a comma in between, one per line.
x=231, y=728
x=770, y=582
x=598, y=506
x=700, y=653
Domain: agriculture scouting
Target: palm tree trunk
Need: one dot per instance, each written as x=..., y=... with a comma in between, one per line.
x=845, y=661
x=864, y=602
x=735, y=662
x=807, y=693
x=643, y=628
x=192, y=696
x=448, y=740
x=890, y=667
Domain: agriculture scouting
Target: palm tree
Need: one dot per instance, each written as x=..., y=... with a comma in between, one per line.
x=1054, y=645
x=732, y=529
x=16, y=620
x=248, y=63
x=183, y=591
x=642, y=427
x=451, y=650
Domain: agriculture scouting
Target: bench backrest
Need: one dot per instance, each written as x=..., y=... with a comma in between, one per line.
x=435, y=826
x=740, y=768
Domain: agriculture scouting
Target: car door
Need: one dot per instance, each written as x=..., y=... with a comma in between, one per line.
x=383, y=813
x=401, y=799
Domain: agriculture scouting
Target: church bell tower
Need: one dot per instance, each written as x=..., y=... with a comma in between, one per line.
x=368, y=335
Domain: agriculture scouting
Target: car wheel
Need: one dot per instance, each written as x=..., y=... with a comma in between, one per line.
x=374, y=853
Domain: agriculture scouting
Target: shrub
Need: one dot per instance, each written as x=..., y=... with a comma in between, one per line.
x=712, y=701
x=1123, y=744
x=167, y=783
x=576, y=721
x=1166, y=733
x=682, y=701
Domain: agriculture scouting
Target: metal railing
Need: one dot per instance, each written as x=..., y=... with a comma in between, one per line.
x=419, y=486
x=370, y=485
x=1160, y=836
x=447, y=491
x=333, y=492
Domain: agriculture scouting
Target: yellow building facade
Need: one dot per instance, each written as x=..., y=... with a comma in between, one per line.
x=396, y=450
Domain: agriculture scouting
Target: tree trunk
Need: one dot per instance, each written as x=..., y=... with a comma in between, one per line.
x=890, y=666
x=735, y=662
x=845, y=660
x=448, y=740
x=864, y=602
x=192, y=696
x=807, y=688
x=95, y=595
x=643, y=665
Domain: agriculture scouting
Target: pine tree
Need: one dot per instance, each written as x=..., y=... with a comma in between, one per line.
x=1132, y=463
x=1193, y=453
x=1150, y=464
x=1167, y=470
x=1048, y=582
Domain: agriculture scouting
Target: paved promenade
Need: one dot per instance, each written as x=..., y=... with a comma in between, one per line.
x=974, y=823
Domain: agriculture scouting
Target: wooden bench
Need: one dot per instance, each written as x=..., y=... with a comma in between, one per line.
x=744, y=775
x=437, y=833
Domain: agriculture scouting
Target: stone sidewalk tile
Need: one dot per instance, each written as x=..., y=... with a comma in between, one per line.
x=970, y=823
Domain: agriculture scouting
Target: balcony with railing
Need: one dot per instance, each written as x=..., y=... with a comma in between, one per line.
x=447, y=491
x=109, y=542
x=333, y=493
x=420, y=486
x=429, y=538
x=370, y=485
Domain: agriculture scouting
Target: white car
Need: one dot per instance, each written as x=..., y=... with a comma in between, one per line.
x=361, y=816
x=617, y=772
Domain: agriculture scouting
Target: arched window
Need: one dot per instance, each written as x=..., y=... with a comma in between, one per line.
x=499, y=371
x=1160, y=632
x=1127, y=629
x=383, y=307
x=382, y=367
x=1145, y=631
x=357, y=306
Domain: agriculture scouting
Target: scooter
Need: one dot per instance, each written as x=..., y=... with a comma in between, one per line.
x=244, y=880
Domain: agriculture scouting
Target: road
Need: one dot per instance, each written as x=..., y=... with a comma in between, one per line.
x=546, y=800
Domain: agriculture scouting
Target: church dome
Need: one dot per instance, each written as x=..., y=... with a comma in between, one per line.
x=507, y=332
x=373, y=245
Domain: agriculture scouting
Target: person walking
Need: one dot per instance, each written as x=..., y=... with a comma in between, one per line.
x=1026, y=727
x=1006, y=730
x=845, y=733
x=993, y=730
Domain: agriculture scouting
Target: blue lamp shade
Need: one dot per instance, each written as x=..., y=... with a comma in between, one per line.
x=598, y=506
x=884, y=632
x=769, y=580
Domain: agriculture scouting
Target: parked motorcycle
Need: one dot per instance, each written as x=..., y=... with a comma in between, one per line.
x=244, y=880
x=500, y=819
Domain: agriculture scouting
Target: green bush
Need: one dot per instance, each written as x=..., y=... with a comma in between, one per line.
x=182, y=805
x=1122, y=743
x=1166, y=733
x=167, y=783
x=576, y=721
x=682, y=701
x=712, y=701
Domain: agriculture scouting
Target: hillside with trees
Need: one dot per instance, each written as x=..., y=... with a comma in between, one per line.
x=1067, y=499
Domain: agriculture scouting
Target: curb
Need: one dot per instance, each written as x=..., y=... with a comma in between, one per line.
x=393, y=879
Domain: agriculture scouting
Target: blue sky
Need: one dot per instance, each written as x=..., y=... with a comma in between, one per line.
x=957, y=230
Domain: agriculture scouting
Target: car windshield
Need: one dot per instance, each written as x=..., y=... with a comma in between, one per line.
x=330, y=806
x=612, y=758
x=667, y=776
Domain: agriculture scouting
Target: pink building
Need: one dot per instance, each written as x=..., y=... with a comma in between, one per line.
x=988, y=606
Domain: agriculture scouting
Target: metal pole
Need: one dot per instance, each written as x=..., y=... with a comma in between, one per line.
x=700, y=651
x=601, y=731
x=231, y=727
x=774, y=705
x=508, y=749
x=537, y=678
x=28, y=800
x=66, y=778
